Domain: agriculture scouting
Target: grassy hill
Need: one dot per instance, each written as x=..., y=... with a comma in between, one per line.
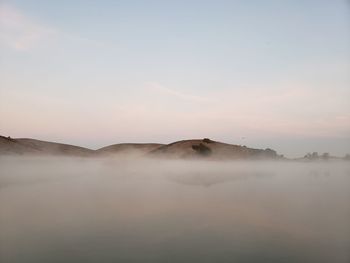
x=25, y=146
x=196, y=148
x=207, y=148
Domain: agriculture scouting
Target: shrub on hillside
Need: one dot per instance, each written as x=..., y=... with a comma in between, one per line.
x=202, y=149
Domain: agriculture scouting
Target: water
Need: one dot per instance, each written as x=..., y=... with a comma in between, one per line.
x=89, y=210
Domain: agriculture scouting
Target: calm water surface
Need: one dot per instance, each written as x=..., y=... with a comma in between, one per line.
x=85, y=210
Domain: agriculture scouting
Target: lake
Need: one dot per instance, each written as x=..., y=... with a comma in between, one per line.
x=124, y=210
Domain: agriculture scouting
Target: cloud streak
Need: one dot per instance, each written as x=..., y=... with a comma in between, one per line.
x=19, y=32
x=155, y=86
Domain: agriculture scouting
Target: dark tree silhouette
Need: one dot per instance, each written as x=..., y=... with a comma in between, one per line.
x=202, y=149
x=325, y=156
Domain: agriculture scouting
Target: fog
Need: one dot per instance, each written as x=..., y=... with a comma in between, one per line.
x=147, y=210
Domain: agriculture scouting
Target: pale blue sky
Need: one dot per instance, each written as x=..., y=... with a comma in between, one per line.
x=94, y=73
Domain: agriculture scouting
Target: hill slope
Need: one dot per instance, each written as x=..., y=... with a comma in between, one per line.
x=211, y=149
x=22, y=146
x=128, y=148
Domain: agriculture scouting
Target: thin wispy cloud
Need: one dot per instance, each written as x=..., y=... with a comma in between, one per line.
x=157, y=87
x=20, y=32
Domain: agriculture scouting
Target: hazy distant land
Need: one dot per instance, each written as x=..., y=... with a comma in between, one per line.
x=184, y=149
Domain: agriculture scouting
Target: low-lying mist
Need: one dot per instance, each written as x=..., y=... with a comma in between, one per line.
x=56, y=209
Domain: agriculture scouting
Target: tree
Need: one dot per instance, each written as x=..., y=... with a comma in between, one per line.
x=270, y=153
x=325, y=156
x=202, y=149
x=311, y=156
x=207, y=140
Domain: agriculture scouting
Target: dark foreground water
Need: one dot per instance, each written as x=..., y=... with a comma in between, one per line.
x=76, y=210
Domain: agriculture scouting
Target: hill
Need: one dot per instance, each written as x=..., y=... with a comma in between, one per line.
x=196, y=148
x=128, y=148
x=207, y=148
x=25, y=146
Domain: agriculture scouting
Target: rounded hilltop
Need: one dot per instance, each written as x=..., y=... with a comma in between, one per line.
x=207, y=148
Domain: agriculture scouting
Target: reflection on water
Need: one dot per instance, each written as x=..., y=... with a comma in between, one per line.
x=76, y=210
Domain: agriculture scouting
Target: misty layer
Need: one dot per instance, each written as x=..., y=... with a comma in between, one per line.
x=155, y=210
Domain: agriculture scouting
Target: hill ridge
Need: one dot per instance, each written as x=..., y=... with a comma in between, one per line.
x=190, y=148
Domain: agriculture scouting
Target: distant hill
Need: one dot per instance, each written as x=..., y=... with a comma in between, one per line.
x=207, y=148
x=197, y=148
x=131, y=148
x=24, y=146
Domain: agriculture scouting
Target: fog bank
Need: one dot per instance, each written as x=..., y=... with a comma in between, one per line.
x=136, y=210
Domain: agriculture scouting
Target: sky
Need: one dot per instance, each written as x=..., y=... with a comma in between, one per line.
x=258, y=73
